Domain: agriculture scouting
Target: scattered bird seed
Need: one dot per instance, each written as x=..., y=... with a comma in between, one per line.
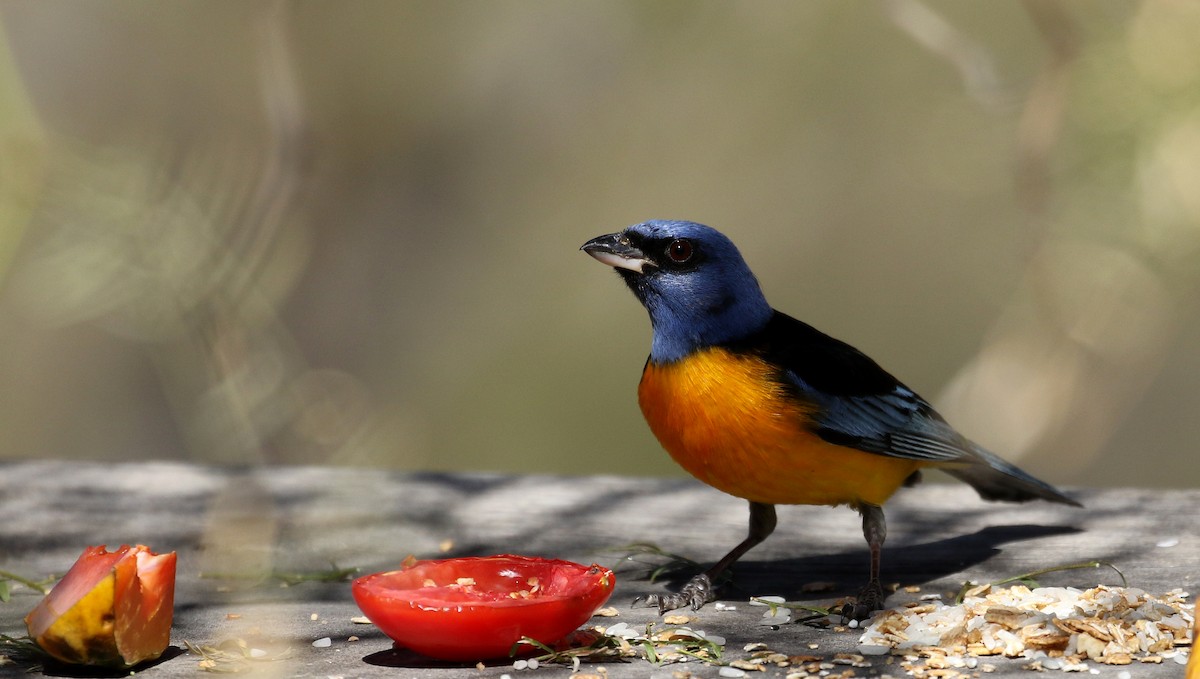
x=767, y=600
x=1106, y=625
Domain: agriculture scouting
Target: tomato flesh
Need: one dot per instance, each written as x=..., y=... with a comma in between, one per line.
x=476, y=608
x=111, y=609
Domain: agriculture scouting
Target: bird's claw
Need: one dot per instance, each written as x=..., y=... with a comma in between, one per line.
x=697, y=592
x=869, y=600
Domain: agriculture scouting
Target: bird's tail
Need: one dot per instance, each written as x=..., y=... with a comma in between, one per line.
x=996, y=479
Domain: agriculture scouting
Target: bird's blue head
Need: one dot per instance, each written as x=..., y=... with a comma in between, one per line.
x=691, y=279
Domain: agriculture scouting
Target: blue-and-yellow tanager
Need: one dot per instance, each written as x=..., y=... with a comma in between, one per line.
x=764, y=407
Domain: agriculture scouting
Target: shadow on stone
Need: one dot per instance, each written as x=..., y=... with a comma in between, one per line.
x=402, y=657
x=54, y=668
x=847, y=571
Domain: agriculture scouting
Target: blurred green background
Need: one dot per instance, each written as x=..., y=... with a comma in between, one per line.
x=309, y=232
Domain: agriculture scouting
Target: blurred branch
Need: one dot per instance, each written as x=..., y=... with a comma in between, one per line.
x=972, y=60
x=283, y=108
x=22, y=158
x=1089, y=328
x=230, y=341
x=1045, y=107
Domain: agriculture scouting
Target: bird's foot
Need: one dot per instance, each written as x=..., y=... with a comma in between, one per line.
x=869, y=600
x=697, y=592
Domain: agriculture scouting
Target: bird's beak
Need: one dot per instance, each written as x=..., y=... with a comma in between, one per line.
x=615, y=250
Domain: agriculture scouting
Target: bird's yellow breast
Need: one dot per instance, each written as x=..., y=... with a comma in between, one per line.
x=725, y=419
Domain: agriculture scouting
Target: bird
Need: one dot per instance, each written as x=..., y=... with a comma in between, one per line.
x=769, y=409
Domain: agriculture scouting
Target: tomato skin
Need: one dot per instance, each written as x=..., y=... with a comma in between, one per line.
x=476, y=608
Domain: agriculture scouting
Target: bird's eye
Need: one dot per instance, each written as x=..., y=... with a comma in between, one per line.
x=680, y=250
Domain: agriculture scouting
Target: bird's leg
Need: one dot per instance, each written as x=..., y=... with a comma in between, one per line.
x=699, y=590
x=870, y=598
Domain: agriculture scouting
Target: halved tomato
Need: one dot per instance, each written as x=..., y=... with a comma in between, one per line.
x=112, y=608
x=476, y=608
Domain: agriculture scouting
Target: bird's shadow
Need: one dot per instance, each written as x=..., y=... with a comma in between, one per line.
x=397, y=656
x=846, y=571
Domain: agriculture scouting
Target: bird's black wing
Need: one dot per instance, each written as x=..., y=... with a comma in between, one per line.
x=860, y=405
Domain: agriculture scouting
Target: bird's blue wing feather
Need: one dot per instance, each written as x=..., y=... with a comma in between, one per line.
x=898, y=423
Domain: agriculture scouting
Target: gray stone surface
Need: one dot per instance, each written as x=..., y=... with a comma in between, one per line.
x=302, y=519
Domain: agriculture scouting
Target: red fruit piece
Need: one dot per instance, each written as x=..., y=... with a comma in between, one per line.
x=476, y=608
x=112, y=609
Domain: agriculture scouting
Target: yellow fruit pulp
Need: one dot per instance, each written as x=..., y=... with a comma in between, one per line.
x=85, y=633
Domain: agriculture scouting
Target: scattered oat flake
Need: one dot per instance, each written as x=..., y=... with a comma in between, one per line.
x=445, y=546
x=465, y=582
x=912, y=589
x=360, y=620
x=233, y=616
x=314, y=617
x=1167, y=542
x=677, y=619
x=607, y=612
x=351, y=638
x=767, y=600
x=801, y=659
x=1055, y=628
